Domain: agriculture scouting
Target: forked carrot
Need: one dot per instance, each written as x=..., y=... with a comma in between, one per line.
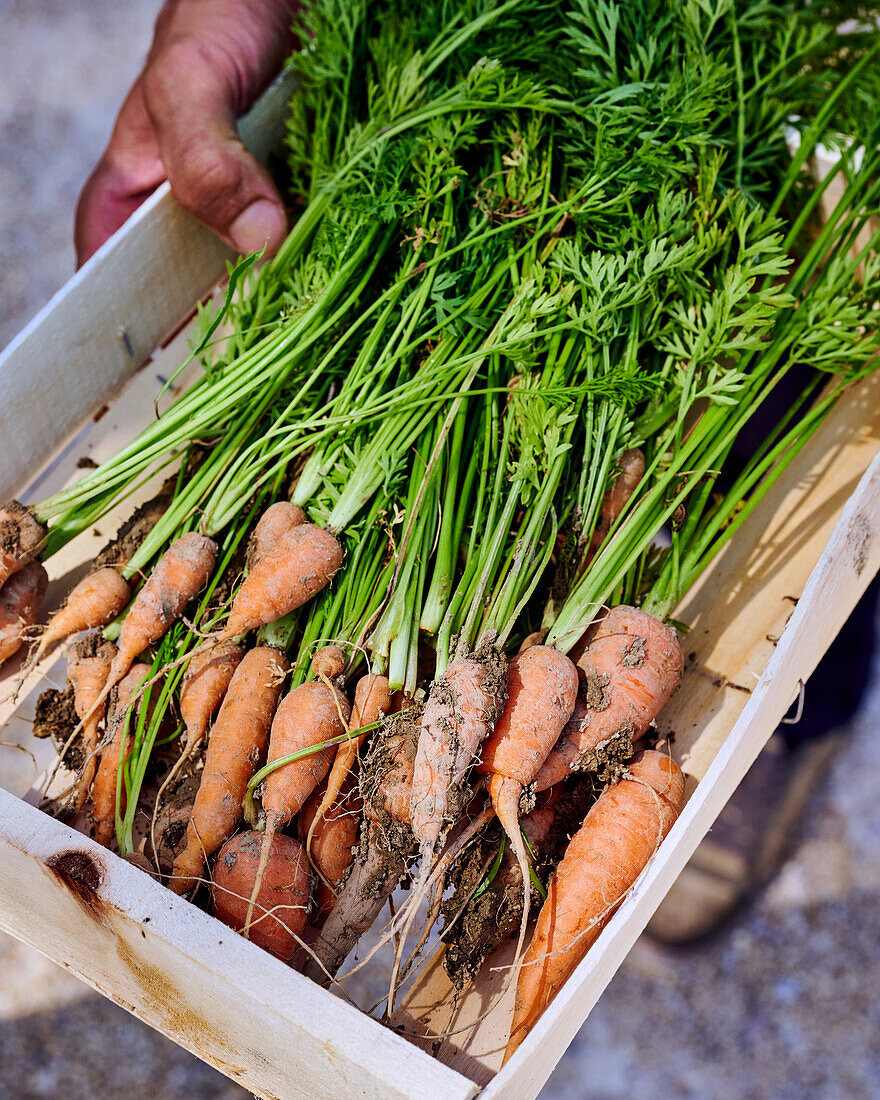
x=372, y=700
x=276, y=521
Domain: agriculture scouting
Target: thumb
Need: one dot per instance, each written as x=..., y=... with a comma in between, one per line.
x=210, y=172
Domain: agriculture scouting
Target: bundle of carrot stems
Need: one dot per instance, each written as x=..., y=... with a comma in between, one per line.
x=452, y=460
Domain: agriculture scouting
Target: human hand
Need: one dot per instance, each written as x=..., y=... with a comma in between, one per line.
x=209, y=61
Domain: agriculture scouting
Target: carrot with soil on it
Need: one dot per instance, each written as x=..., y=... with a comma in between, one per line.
x=113, y=756
x=182, y=571
x=282, y=898
x=20, y=599
x=92, y=603
x=372, y=700
x=459, y=714
x=308, y=716
x=236, y=747
x=630, y=669
x=289, y=574
x=385, y=849
x=542, y=687
x=87, y=669
x=21, y=536
x=332, y=830
x=619, y=836
x=273, y=524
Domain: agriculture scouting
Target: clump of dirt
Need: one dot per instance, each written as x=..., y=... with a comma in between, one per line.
x=475, y=928
x=55, y=717
x=607, y=761
x=386, y=781
x=141, y=522
x=173, y=818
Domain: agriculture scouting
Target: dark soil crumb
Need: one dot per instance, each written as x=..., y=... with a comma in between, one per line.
x=55, y=717
x=86, y=462
x=607, y=761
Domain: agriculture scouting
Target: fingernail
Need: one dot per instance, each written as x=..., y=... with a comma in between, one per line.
x=258, y=224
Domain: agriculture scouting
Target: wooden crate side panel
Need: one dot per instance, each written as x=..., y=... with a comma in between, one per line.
x=195, y=980
x=109, y=318
x=841, y=576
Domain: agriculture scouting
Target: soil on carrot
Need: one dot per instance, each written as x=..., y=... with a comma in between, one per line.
x=607, y=761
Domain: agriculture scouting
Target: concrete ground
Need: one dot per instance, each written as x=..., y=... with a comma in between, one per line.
x=784, y=1006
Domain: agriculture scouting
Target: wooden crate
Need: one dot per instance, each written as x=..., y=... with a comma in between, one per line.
x=761, y=619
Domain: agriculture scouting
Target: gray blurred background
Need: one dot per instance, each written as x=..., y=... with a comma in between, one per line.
x=784, y=1005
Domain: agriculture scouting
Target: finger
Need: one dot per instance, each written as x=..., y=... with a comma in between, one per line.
x=191, y=105
x=127, y=173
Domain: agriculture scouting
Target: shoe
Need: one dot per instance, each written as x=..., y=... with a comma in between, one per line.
x=747, y=844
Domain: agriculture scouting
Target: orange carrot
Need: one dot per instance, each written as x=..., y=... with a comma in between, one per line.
x=297, y=567
x=204, y=688
x=113, y=757
x=631, y=668
x=21, y=536
x=542, y=686
x=275, y=522
x=87, y=669
x=332, y=831
x=94, y=602
x=604, y=858
x=20, y=599
x=372, y=700
x=282, y=898
x=631, y=466
x=181, y=572
x=307, y=716
x=328, y=662
x=236, y=748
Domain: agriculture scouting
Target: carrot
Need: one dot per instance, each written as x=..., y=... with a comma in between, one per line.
x=297, y=567
x=631, y=465
x=181, y=572
x=283, y=896
x=276, y=521
x=631, y=668
x=542, y=687
x=458, y=715
x=382, y=858
x=602, y=862
x=307, y=716
x=21, y=536
x=372, y=700
x=329, y=662
x=87, y=669
x=236, y=748
x=332, y=830
x=204, y=688
x=20, y=599
x=112, y=758
x=94, y=602
x=201, y=694
x=460, y=712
